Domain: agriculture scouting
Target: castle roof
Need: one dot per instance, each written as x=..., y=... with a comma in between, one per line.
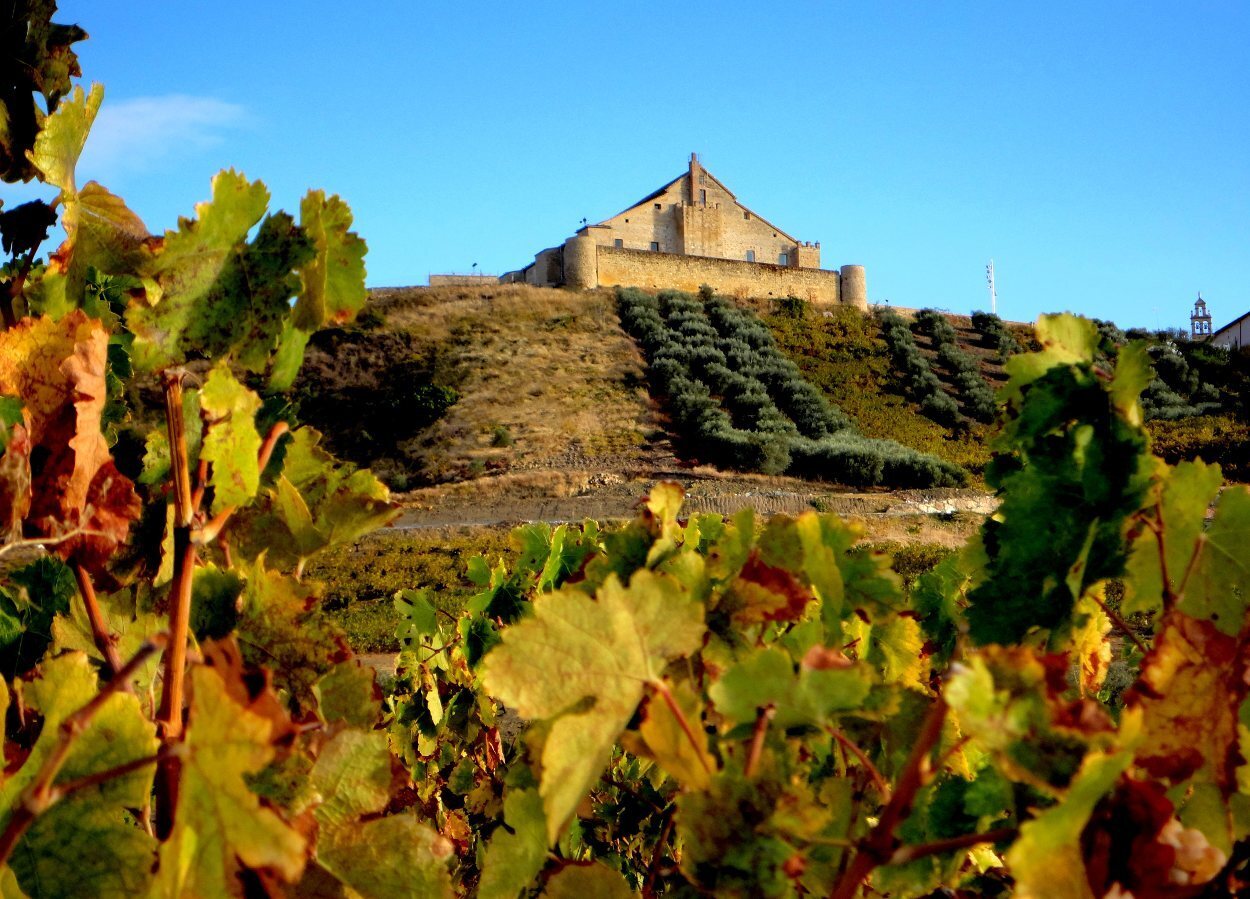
x=660, y=191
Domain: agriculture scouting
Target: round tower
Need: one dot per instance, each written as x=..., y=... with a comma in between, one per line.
x=581, y=262
x=853, y=290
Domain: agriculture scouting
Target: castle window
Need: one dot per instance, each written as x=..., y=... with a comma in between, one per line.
x=703, y=198
x=618, y=243
x=750, y=255
x=746, y=215
x=657, y=205
x=655, y=247
x=783, y=259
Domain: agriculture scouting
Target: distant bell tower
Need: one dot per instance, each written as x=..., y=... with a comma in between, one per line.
x=1199, y=320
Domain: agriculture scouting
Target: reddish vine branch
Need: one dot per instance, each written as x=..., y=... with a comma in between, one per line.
x=40, y=795
x=879, y=846
x=883, y=785
x=169, y=715
x=762, y=717
x=100, y=633
x=671, y=701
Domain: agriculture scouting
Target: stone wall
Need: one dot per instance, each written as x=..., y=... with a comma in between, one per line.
x=657, y=271
x=462, y=280
x=639, y=225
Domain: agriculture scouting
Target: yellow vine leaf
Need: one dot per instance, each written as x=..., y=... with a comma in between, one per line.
x=219, y=821
x=583, y=664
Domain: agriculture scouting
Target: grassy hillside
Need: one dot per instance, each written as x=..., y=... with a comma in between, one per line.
x=841, y=351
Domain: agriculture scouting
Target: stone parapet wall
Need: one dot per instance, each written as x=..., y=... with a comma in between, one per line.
x=657, y=271
x=462, y=280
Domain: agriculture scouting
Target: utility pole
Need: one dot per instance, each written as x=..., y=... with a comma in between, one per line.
x=989, y=279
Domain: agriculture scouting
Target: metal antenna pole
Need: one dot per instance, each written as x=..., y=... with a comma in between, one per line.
x=989, y=279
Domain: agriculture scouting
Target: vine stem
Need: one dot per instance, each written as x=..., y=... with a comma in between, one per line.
x=40, y=795
x=762, y=718
x=883, y=785
x=1120, y=623
x=671, y=701
x=99, y=626
x=653, y=870
x=905, y=854
x=169, y=714
x=879, y=847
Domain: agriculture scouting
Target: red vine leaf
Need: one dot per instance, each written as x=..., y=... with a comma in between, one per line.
x=1191, y=686
x=763, y=592
x=57, y=369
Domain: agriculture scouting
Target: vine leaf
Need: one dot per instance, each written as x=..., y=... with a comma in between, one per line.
x=583, y=664
x=810, y=545
x=331, y=284
x=15, y=477
x=101, y=232
x=184, y=266
x=318, y=502
x=1043, y=555
x=281, y=626
x=581, y=881
x=39, y=59
x=683, y=755
x=219, y=821
x=36, y=596
x=377, y=857
x=767, y=677
x=1191, y=686
x=1216, y=588
x=129, y=622
x=58, y=370
x=764, y=592
x=63, y=136
x=349, y=693
x=517, y=853
x=231, y=443
x=85, y=844
x=1180, y=495
x=1046, y=860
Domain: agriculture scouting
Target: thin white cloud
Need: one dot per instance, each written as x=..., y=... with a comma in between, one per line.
x=146, y=132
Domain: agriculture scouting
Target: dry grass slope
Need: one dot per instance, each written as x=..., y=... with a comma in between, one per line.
x=544, y=376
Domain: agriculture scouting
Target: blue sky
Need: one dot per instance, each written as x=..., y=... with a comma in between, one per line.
x=1099, y=152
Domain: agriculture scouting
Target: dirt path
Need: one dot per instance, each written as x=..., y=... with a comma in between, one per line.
x=719, y=495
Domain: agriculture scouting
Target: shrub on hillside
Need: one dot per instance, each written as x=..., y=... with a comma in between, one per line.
x=737, y=402
x=995, y=335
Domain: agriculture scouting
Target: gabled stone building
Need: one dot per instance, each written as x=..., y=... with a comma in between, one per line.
x=690, y=232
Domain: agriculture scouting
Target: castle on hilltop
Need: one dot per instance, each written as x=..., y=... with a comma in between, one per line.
x=690, y=232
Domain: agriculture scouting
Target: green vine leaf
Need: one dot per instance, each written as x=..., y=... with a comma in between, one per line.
x=515, y=854
x=582, y=881
x=63, y=136
x=231, y=442
x=184, y=268
x=377, y=857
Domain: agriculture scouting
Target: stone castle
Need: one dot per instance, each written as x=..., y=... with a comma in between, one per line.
x=690, y=232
